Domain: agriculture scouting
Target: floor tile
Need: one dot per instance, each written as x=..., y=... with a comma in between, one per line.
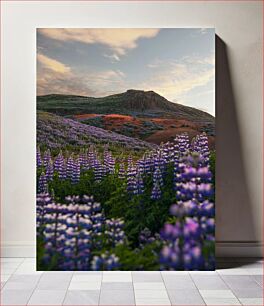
x=255, y=271
x=220, y=302
x=141, y=277
x=47, y=297
x=258, y=279
x=87, y=297
x=117, y=286
x=32, y=260
x=240, y=282
x=233, y=271
x=10, y=265
x=178, y=282
x=117, y=297
x=159, y=302
x=251, y=301
x=203, y=282
x=85, y=286
x=20, y=285
x=15, y=297
x=8, y=270
x=87, y=278
x=5, y=277
x=27, y=268
x=24, y=278
x=217, y=294
x=177, y=273
x=207, y=273
x=117, y=277
x=185, y=297
x=88, y=273
x=151, y=294
x=54, y=281
x=149, y=286
x=248, y=293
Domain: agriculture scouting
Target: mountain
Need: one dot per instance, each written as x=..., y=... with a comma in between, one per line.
x=132, y=102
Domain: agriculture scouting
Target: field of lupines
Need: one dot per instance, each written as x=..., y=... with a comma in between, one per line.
x=98, y=210
x=55, y=133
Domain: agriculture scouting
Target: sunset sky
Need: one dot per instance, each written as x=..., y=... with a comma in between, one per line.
x=176, y=63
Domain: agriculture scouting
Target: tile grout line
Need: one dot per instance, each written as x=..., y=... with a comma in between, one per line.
x=9, y=276
x=67, y=289
x=133, y=287
x=197, y=288
x=100, y=288
x=166, y=288
x=252, y=276
x=230, y=287
x=35, y=286
x=13, y=272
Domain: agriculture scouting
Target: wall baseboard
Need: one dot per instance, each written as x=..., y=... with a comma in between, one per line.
x=223, y=249
x=239, y=249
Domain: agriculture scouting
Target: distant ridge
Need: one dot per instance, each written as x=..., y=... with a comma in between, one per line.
x=131, y=102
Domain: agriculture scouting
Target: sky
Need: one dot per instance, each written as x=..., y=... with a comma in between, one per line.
x=178, y=63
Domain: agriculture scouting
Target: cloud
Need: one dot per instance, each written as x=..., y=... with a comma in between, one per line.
x=113, y=57
x=51, y=64
x=176, y=79
x=119, y=40
x=56, y=77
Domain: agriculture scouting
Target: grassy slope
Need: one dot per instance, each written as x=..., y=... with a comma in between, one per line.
x=129, y=103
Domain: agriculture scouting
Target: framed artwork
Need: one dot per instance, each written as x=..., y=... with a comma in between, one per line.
x=125, y=149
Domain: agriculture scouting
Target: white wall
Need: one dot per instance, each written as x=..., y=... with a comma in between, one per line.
x=239, y=106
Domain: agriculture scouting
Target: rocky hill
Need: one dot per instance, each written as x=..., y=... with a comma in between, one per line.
x=132, y=102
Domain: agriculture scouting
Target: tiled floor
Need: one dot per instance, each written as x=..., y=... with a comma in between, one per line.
x=236, y=282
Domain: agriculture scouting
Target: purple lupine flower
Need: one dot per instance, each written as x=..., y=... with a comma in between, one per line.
x=46, y=157
x=109, y=161
x=156, y=192
x=185, y=240
x=140, y=184
x=98, y=170
x=42, y=183
x=146, y=237
x=69, y=167
x=114, y=231
x=91, y=156
x=105, y=261
x=76, y=171
x=63, y=171
x=200, y=145
x=49, y=171
x=39, y=160
x=131, y=180
x=43, y=199
x=157, y=176
x=59, y=161
x=122, y=171
x=83, y=159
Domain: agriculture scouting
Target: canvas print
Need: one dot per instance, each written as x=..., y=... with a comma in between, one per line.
x=125, y=151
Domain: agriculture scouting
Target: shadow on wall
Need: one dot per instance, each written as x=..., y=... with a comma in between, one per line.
x=234, y=216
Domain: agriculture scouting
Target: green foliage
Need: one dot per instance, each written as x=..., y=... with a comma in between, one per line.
x=138, y=212
x=145, y=258
x=95, y=121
